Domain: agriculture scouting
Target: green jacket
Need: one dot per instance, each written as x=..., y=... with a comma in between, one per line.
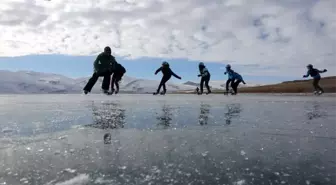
x=104, y=63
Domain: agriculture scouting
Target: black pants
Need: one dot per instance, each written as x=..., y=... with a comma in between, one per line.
x=234, y=85
x=115, y=81
x=92, y=81
x=316, y=85
x=163, y=83
x=228, y=83
x=205, y=80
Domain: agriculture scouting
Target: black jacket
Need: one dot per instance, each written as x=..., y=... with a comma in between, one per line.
x=166, y=71
x=119, y=69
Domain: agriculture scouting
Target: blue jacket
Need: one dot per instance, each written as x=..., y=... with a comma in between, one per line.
x=230, y=74
x=237, y=76
x=233, y=75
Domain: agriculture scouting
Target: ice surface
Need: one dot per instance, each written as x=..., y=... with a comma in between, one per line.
x=172, y=139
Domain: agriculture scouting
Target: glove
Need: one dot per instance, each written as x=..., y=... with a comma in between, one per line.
x=179, y=78
x=199, y=75
x=244, y=83
x=325, y=70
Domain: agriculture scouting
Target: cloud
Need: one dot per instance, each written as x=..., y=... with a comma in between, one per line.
x=286, y=34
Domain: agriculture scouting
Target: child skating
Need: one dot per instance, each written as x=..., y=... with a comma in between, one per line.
x=117, y=75
x=237, y=78
x=205, y=78
x=315, y=73
x=167, y=73
x=228, y=71
x=234, y=79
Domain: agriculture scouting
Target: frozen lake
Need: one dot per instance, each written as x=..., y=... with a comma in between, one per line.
x=172, y=139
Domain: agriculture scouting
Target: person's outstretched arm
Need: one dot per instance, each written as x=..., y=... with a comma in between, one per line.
x=306, y=75
x=200, y=74
x=158, y=70
x=324, y=70
x=175, y=75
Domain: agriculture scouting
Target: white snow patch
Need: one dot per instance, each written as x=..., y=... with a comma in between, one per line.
x=70, y=170
x=62, y=137
x=100, y=180
x=204, y=154
x=7, y=130
x=123, y=167
x=240, y=182
x=78, y=180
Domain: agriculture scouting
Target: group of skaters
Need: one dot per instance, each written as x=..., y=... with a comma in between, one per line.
x=106, y=66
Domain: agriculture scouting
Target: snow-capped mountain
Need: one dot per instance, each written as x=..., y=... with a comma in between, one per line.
x=35, y=82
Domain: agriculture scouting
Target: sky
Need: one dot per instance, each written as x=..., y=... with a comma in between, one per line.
x=266, y=41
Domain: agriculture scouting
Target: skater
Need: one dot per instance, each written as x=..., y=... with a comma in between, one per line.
x=230, y=72
x=237, y=78
x=103, y=66
x=233, y=78
x=315, y=73
x=167, y=73
x=117, y=75
x=197, y=90
x=205, y=74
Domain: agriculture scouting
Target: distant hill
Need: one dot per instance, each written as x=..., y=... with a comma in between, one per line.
x=30, y=82
x=296, y=86
x=191, y=83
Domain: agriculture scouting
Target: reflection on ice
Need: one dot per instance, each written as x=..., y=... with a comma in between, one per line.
x=165, y=117
x=233, y=111
x=107, y=138
x=204, y=114
x=108, y=115
x=314, y=111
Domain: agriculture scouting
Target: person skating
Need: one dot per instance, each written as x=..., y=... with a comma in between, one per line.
x=237, y=78
x=230, y=72
x=233, y=80
x=205, y=78
x=197, y=90
x=103, y=66
x=315, y=73
x=167, y=73
x=118, y=73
